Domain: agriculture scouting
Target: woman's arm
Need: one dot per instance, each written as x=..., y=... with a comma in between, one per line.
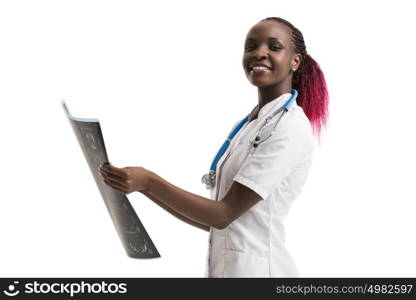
x=194, y=207
x=175, y=213
x=217, y=214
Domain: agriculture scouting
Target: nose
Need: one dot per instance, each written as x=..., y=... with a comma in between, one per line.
x=261, y=53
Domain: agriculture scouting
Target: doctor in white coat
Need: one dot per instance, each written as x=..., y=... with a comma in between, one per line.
x=261, y=168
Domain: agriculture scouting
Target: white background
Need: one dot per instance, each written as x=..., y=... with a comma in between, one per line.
x=166, y=82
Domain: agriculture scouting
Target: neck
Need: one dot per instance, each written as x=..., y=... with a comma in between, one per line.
x=267, y=94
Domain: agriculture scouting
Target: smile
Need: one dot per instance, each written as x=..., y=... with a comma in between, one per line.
x=259, y=70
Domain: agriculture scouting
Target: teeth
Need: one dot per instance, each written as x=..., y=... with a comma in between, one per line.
x=260, y=68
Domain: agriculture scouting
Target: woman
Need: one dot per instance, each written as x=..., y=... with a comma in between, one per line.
x=255, y=184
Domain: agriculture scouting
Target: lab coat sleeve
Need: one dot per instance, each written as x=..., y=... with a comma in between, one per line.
x=290, y=147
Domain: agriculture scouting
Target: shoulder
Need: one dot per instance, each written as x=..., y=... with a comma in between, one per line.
x=293, y=133
x=295, y=124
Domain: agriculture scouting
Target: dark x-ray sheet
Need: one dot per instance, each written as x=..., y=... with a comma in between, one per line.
x=132, y=233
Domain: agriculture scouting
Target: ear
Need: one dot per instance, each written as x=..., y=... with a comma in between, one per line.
x=296, y=60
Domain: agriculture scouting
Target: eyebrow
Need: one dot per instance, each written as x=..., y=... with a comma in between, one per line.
x=270, y=39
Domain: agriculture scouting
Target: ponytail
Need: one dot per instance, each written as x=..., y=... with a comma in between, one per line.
x=313, y=96
x=309, y=81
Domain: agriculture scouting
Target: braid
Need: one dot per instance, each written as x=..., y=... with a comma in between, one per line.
x=309, y=80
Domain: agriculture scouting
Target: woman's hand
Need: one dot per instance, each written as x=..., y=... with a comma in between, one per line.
x=125, y=180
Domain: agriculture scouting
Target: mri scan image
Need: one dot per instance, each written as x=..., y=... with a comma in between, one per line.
x=133, y=235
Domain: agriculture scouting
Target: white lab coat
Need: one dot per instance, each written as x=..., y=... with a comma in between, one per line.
x=253, y=245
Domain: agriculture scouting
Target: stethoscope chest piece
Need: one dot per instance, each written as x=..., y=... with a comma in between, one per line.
x=209, y=179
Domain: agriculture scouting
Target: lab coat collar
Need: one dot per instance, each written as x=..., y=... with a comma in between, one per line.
x=271, y=106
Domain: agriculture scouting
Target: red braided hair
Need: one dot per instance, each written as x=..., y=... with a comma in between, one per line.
x=309, y=81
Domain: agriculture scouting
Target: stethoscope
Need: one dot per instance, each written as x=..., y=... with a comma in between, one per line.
x=210, y=178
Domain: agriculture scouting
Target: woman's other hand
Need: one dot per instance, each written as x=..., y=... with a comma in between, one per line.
x=125, y=180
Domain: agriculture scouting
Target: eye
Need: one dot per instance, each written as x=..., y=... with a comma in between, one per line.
x=249, y=48
x=275, y=48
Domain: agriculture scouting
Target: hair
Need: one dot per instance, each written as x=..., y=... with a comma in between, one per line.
x=309, y=81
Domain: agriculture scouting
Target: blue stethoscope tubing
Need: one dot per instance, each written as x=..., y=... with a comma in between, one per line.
x=255, y=143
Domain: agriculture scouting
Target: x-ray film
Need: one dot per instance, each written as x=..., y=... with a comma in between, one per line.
x=132, y=233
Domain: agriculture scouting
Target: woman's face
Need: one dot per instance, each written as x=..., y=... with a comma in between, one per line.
x=268, y=54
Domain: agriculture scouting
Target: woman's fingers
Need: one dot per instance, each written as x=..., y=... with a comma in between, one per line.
x=113, y=176
x=114, y=170
x=114, y=180
x=116, y=187
x=121, y=179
